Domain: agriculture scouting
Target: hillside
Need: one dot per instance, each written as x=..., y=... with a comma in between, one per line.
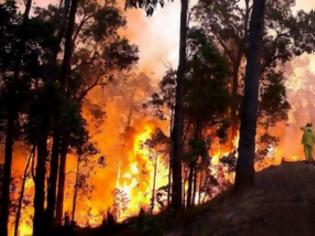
x=282, y=202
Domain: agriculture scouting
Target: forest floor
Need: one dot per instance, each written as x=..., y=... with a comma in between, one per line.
x=282, y=202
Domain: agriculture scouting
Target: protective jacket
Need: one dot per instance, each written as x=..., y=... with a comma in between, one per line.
x=308, y=136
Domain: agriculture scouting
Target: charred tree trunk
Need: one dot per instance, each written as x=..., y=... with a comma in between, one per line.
x=184, y=182
x=66, y=65
x=245, y=172
x=200, y=186
x=61, y=182
x=52, y=182
x=21, y=197
x=76, y=189
x=190, y=184
x=234, y=107
x=170, y=160
x=64, y=75
x=169, y=183
x=154, y=185
x=5, y=203
x=194, y=186
x=192, y=168
x=178, y=116
x=39, y=199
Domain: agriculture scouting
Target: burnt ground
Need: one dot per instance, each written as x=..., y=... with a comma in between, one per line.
x=282, y=202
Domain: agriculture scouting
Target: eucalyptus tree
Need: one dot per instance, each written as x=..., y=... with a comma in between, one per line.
x=227, y=23
x=245, y=172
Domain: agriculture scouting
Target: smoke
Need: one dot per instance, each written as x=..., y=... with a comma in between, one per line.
x=300, y=92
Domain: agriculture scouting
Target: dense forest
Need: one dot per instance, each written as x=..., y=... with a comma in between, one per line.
x=87, y=139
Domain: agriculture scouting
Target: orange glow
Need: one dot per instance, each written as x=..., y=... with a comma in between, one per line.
x=129, y=162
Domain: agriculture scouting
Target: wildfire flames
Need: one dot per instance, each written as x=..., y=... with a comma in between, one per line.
x=124, y=185
x=132, y=171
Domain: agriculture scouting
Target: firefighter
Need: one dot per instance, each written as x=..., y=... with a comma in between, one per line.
x=307, y=140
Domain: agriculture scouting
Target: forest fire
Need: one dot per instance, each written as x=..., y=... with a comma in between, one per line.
x=96, y=131
x=134, y=181
x=137, y=181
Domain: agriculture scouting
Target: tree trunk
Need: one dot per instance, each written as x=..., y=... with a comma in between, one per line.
x=20, y=201
x=178, y=116
x=61, y=183
x=194, y=186
x=234, y=106
x=66, y=65
x=200, y=186
x=39, y=199
x=169, y=183
x=76, y=189
x=193, y=169
x=245, y=172
x=154, y=184
x=64, y=75
x=170, y=160
x=52, y=182
x=4, y=216
x=190, y=184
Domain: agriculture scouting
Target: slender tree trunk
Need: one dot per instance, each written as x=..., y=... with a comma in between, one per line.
x=66, y=65
x=234, y=107
x=154, y=184
x=52, y=181
x=178, y=116
x=184, y=182
x=4, y=216
x=190, y=184
x=76, y=189
x=64, y=75
x=194, y=186
x=21, y=197
x=245, y=172
x=192, y=168
x=200, y=186
x=236, y=69
x=39, y=199
x=169, y=183
x=170, y=160
x=61, y=183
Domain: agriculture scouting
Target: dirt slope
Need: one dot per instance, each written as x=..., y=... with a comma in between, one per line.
x=282, y=202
